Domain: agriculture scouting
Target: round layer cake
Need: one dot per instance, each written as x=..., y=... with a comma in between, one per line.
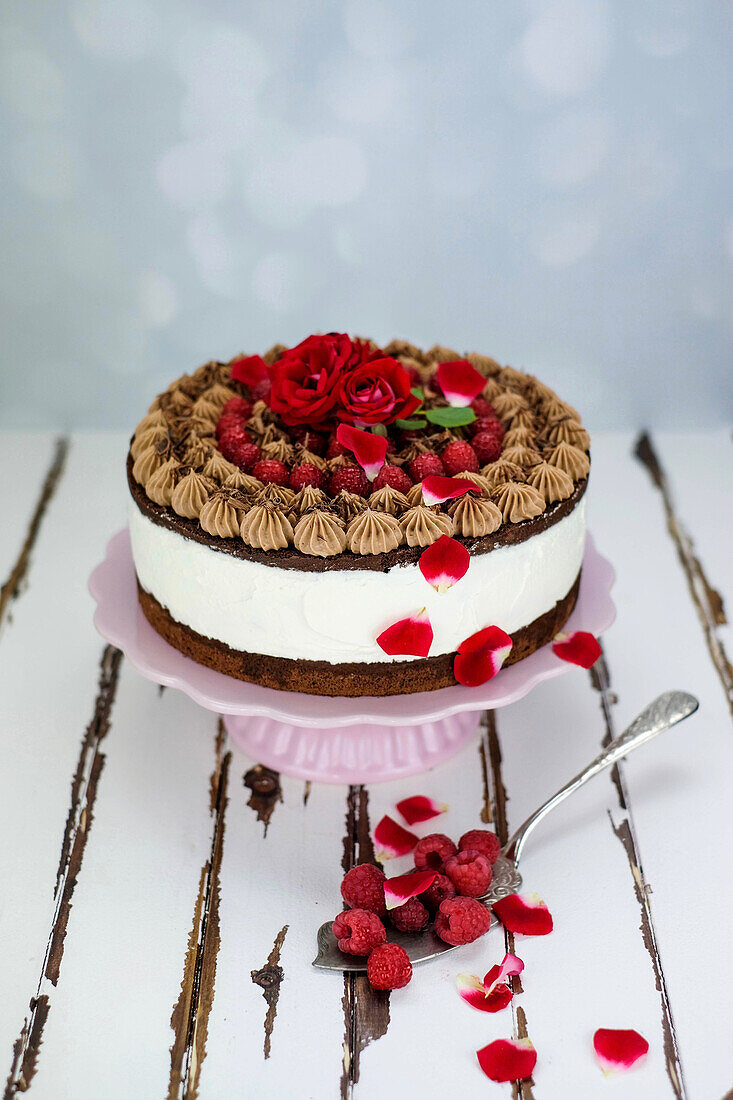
x=342, y=519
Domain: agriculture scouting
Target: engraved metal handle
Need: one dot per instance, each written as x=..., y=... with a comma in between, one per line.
x=669, y=709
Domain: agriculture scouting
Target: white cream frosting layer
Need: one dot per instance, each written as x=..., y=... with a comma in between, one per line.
x=336, y=616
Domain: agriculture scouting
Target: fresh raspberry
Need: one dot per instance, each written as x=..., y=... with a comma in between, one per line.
x=388, y=967
x=482, y=407
x=431, y=853
x=228, y=422
x=410, y=917
x=358, y=931
x=244, y=455
x=237, y=406
x=335, y=449
x=233, y=433
x=307, y=474
x=393, y=476
x=470, y=873
x=458, y=457
x=441, y=889
x=271, y=469
x=351, y=478
x=363, y=888
x=487, y=444
x=483, y=841
x=312, y=441
x=461, y=920
x=424, y=466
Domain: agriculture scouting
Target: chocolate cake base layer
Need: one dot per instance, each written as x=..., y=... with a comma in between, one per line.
x=351, y=679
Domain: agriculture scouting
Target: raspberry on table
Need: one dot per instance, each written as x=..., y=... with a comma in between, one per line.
x=395, y=477
x=487, y=444
x=358, y=931
x=461, y=920
x=441, y=889
x=470, y=873
x=410, y=917
x=351, y=478
x=307, y=474
x=363, y=888
x=431, y=853
x=481, y=840
x=271, y=470
x=459, y=457
x=388, y=967
x=425, y=465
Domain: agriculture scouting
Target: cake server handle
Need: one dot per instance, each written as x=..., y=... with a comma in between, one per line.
x=666, y=711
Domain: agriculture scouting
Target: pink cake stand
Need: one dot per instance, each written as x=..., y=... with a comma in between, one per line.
x=333, y=740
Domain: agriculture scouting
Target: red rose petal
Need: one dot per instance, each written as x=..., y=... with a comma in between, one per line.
x=436, y=489
x=509, y=967
x=409, y=637
x=480, y=657
x=249, y=369
x=579, y=648
x=459, y=381
x=369, y=449
x=473, y=991
x=392, y=840
x=400, y=889
x=507, y=1059
x=524, y=915
x=420, y=808
x=618, y=1049
x=444, y=562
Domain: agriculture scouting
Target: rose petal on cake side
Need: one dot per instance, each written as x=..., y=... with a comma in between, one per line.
x=508, y=1059
x=436, y=488
x=249, y=369
x=579, y=648
x=420, y=808
x=618, y=1048
x=459, y=381
x=480, y=657
x=368, y=449
x=391, y=840
x=408, y=638
x=527, y=915
x=509, y=967
x=400, y=889
x=473, y=991
x=444, y=562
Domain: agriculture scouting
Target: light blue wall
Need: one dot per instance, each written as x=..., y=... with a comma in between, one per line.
x=548, y=181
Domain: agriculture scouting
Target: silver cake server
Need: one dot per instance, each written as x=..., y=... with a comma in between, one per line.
x=666, y=711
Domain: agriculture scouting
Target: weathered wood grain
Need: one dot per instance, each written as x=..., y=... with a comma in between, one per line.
x=269, y=978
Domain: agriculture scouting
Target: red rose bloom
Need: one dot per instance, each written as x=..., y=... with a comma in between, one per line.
x=305, y=381
x=376, y=392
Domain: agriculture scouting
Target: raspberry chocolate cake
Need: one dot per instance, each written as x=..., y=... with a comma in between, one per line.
x=342, y=519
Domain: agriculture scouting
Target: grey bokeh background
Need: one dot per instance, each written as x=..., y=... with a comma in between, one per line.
x=547, y=181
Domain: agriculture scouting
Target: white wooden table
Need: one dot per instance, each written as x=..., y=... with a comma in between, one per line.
x=161, y=894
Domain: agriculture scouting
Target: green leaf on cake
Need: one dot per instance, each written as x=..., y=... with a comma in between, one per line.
x=450, y=417
x=411, y=425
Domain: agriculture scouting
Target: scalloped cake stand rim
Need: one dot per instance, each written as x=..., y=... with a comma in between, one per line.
x=119, y=619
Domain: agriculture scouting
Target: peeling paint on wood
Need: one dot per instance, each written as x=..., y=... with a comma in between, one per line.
x=79, y=821
x=707, y=600
x=366, y=1010
x=269, y=978
x=264, y=784
x=306, y=791
x=624, y=831
x=190, y=1016
x=11, y=589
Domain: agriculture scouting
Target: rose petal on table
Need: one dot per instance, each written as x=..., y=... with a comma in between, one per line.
x=408, y=637
x=436, y=488
x=507, y=1059
x=528, y=916
x=368, y=449
x=249, y=369
x=459, y=381
x=400, y=889
x=480, y=657
x=509, y=967
x=618, y=1048
x=473, y=991
x=420, y=808
x=579, y=648
x=391, y=840
x=444, y=562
